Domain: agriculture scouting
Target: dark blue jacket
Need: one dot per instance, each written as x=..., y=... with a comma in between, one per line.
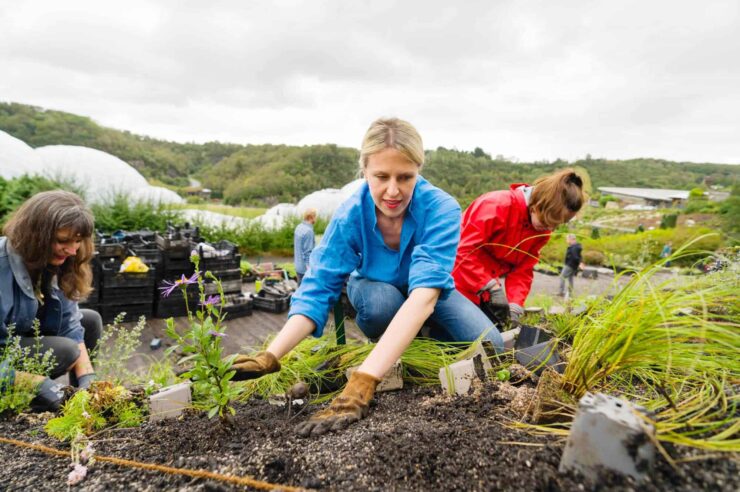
x=18, y=303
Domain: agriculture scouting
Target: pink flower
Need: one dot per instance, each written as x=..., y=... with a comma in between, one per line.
x=168, y=287
x=87, y=453
x=217, y=334
x=77, y=475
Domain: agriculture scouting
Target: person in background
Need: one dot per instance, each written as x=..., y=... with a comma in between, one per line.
x=44, y=270
x=303, y=243
x=502, y=235
x=666, y=252
x=395, y=238
x=573, y=263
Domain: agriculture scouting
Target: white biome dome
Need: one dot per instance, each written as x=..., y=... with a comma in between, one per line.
x=155, y=194
x=17, y=158
x=100, y=176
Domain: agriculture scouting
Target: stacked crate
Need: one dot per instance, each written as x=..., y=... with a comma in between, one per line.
x=273, y=297
x=129, y=292
x=223, y=261
x=175, y=247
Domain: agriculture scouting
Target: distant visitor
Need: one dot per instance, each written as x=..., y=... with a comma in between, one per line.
x=304, y=242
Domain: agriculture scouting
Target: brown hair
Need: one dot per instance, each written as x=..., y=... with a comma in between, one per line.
x=392, y=133
x=32, y=230
x=557, y=196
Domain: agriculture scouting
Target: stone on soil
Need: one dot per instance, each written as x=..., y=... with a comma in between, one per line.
x=608, y=432
x=169, y=402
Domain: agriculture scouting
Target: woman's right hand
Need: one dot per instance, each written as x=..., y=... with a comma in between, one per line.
x=252, y=367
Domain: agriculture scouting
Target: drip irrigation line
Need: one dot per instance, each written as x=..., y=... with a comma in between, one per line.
x=246, y=481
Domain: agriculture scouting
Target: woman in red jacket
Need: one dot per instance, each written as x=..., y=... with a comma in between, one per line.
x=503, y=233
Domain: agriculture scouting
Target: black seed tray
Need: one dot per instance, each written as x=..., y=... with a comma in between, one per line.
x=238, y=310
x=110, y=250
x=113, y=278
x=133, y=311
x=271, y=305
x=127, y=295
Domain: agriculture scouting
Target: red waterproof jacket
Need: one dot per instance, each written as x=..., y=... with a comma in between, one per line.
x=497, y=240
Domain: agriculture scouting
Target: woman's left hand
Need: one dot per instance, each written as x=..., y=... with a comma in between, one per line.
x=350, y=406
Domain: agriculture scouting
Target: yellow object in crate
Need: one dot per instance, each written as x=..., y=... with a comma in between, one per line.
x=133, y=264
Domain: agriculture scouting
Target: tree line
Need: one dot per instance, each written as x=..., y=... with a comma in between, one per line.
x=263, y=175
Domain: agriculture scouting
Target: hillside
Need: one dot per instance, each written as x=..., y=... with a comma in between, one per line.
x=267, y=174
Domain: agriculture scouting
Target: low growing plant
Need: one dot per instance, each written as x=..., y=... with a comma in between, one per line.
x=17, y=397
x=104, y=405
x=116, y=346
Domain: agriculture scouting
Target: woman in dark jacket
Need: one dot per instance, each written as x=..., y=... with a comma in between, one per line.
x=44, y=270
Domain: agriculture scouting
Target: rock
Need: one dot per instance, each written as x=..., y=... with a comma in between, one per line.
x=169, y=402
x=608, y=433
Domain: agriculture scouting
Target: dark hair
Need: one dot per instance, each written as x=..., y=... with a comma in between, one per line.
x=557, y=196
x=32, y=230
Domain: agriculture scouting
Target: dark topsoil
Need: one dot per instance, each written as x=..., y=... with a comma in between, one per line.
x=415, y=439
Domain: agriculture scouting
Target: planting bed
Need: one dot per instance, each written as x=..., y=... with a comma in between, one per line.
x=415, y=439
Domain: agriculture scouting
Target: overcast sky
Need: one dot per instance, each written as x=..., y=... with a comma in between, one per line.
x=527, y=79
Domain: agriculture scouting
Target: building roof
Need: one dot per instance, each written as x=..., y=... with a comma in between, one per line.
x=647, y=193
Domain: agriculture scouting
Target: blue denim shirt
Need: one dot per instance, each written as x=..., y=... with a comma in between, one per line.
x=18, y=304
x=303, y=244
x=353, y=244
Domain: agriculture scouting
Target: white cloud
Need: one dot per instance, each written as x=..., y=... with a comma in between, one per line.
x=537, y=80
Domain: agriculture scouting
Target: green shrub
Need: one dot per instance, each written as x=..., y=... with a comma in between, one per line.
x=120, y=213
x=668, y=221
x=591, y=257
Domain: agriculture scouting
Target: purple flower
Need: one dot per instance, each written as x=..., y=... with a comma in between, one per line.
x=211, y=301
x=217, y=334
x=168, y=287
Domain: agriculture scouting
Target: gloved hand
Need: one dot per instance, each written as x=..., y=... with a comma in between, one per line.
x=350, y=406
x=50, y=396
x=496, y=307
x=252, y=367
x=84, y=381
x=515, y=313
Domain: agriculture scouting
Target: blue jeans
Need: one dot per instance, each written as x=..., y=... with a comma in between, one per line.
x=454, y=319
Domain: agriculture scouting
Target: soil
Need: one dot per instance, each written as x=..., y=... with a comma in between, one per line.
x=414, y=439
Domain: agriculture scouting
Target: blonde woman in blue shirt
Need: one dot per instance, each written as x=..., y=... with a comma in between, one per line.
x=396, y=239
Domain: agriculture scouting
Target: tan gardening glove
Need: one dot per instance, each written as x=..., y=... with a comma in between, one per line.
x=252, y=367
x=350, y=406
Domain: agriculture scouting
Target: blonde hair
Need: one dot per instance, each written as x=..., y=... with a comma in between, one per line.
x=32, y=230
x=556, y=197
x=310, y=214
x=392, y=133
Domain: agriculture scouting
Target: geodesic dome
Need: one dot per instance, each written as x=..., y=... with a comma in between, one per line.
x=100, y=175
x=17, y=158
x=156, y=194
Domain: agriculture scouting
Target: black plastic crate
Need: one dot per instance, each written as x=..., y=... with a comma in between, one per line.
x=152, y=256
x=171, y=308
x=89, y=305
x=113, y=278
x=271, y=304
x=238, y=310
x=177, y=247
x=93, y=297
x=133, y=311
x=110, y=250
x=127, y=295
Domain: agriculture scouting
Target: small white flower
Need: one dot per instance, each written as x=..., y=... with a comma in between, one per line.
x=77, y=475
x=85, y=414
